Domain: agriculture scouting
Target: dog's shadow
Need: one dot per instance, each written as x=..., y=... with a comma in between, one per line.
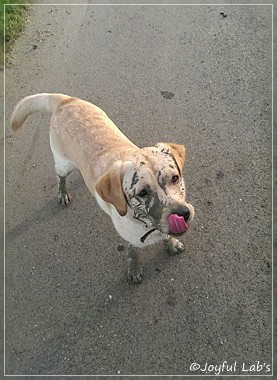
x=49, y=211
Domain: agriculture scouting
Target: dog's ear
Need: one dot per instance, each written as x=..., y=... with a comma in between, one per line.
x=109, y=187
x=176, y=150
x=179, y=153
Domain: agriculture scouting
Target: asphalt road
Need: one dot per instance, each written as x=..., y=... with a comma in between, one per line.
x=185, y=74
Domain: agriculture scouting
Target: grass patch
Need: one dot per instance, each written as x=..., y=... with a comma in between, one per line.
x=15, y=18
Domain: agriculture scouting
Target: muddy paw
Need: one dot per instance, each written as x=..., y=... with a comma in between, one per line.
x=64, y=198
x=135, y=275
x=174, y=246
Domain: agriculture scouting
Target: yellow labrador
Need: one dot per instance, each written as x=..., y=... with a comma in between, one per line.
x=141, y=189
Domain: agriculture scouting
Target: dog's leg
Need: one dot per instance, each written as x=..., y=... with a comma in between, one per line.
x=173, y=246
x=134, y=268
x=63, y=195
x=63, y=167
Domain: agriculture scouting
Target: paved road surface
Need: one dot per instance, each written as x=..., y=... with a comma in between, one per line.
x=186, y=74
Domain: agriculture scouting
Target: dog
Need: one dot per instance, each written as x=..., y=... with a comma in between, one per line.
x=141, y=189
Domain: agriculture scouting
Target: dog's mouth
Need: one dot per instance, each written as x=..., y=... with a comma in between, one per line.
x=177, y=224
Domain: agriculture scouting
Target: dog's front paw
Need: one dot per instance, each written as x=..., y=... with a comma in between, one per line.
x=174, y=246
x=135, y=274
x=64, y=198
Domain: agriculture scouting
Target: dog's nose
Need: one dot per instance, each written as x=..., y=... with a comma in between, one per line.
x=184, y=212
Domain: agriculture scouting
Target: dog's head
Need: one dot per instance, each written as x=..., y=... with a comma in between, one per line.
x=150, y=185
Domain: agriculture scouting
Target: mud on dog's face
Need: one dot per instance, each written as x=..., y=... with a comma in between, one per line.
x=150, y=187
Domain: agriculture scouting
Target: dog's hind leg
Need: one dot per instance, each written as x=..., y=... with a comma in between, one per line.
x=63, y=167
x=63, y=194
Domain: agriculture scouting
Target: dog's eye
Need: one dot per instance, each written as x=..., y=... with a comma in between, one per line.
x=175, y=179
x=143, y=193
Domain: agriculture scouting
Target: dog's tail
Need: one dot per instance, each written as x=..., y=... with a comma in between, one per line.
x=36, y=103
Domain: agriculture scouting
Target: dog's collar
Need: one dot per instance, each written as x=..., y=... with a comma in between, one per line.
x=142, y=239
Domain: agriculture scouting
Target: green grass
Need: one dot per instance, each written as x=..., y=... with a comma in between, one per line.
x=15, y=18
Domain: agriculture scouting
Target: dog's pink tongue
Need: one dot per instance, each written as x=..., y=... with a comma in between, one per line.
x=177, y=224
